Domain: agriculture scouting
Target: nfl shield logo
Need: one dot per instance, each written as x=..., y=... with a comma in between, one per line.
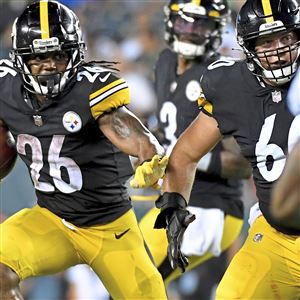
x=38, y=121
x=276, y=96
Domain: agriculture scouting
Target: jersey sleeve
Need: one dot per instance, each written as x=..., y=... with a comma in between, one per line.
x=218, y=98
x=106, y=97
x=204, y=104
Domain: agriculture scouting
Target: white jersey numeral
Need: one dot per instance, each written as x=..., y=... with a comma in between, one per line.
x=265, y=151
x=168, y=114
x=55, y=161
x=221, y=63
x=4, y=70
x=92, y=73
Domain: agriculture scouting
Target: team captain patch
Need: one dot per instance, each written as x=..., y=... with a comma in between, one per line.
x=71, y=121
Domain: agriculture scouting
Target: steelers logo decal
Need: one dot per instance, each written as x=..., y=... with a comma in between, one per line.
x=193, y=90
x=72, y=121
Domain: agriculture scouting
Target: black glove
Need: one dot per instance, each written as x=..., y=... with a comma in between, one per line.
x=175, y=218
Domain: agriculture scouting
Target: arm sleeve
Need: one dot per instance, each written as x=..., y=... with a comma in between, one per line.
x=108, y=97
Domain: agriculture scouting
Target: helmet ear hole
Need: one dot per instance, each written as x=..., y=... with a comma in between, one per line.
x=62, y=33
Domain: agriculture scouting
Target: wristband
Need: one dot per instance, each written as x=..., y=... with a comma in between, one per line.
x=170, y=200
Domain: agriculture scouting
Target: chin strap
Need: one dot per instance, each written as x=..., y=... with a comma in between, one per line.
x=50, y=88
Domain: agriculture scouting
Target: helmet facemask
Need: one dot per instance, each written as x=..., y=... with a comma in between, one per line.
x=269, y=33
x=51, y=84
x=64, y=37
x=191, y=33
x=261, y=63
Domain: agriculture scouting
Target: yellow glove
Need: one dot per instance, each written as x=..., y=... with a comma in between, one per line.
x=149, y=172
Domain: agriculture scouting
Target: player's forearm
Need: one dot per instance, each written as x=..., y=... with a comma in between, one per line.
x=144, y=146
x=127, y=133
x=180, y=174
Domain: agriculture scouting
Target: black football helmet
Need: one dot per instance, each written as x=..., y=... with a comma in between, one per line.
x=194, y=28
x=43, y=27
x=266, y=17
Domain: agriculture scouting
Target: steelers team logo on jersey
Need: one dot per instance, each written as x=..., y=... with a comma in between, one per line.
x=193, y=90
x=71, y=121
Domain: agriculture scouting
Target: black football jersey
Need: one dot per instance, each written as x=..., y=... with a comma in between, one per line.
x=77, y=172
x=177, y=108
x=258, y=118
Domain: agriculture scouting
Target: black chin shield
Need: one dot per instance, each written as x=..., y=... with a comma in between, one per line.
x=50, y=81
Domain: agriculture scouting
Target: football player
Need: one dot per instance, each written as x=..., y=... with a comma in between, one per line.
x=193, y=32
x=246, y=99
x=285, y=203
x=71, y=128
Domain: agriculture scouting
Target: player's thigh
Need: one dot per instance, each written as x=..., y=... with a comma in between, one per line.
x=156, y=239
x=232, y=229
x=266, y=267
x=123, y=263
x=32, y=244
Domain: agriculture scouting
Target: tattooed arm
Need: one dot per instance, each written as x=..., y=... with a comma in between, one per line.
x=128, y=134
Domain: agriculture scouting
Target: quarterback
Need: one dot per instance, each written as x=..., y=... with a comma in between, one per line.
x=247, y=100
x=73, y=132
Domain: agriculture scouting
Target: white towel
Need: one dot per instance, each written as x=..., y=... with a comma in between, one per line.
x=205, y=233
x=255, y=212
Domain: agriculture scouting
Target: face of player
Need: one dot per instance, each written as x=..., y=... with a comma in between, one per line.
x=48, y=63
x=194, y=30
x=277, y=50
x=47, y=69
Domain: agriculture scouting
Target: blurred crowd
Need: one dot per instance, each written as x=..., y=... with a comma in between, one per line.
x=130, y=32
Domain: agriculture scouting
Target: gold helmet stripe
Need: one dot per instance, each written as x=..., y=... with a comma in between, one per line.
x=196, y=2
x=266, y=4
x=44, y=20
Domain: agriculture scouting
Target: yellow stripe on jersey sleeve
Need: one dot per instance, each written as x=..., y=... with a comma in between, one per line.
x=106, y=88
x=204, y=104
x=112, y=99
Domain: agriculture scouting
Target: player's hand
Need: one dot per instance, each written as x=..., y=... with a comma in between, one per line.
x=175, y=218
x=149, y=172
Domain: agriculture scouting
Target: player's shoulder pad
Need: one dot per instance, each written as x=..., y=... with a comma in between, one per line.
x=165, y=56
x=108, y=90
x=218, y=72
x=212, y=80
x=220, y=67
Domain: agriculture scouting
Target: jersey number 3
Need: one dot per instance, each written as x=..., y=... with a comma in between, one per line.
x=55, y=161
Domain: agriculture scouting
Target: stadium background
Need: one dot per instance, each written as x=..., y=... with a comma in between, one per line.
x=130, y=32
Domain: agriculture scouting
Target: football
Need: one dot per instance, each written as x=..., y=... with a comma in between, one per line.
x=8, y=153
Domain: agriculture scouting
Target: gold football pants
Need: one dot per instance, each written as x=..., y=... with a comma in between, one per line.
x=157, y=241
x=266, y=267
x=36, y=242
